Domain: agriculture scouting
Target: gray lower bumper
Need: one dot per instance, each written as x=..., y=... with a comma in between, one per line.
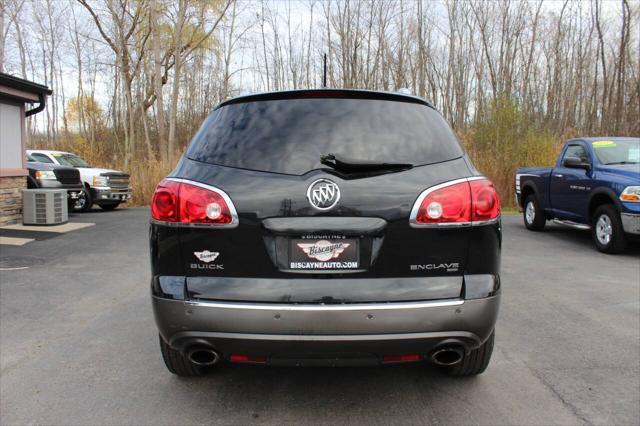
x=281, y=329
x=630, y=223
x=111, y=194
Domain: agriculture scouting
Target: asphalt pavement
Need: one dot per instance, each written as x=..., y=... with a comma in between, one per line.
x=78, y=344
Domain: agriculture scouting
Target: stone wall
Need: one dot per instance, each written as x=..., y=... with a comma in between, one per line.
x=11, y=199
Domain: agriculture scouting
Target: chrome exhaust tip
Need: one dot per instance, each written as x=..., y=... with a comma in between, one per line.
x=203, y=356
x=449, y=355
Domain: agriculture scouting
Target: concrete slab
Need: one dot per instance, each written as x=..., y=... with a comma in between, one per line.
x=60, y=229
x=12, y=241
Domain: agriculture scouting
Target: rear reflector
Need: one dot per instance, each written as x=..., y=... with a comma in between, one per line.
x=387, y=359
x=460, y=202
x=185, y=202
x=248, y=359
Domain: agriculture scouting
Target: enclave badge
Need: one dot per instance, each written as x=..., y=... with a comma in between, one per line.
x=323, y=194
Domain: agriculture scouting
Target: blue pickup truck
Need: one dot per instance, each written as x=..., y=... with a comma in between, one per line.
x=594, y=185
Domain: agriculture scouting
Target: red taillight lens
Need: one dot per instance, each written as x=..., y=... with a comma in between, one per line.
x=459, y=202
x=164, y=204
x=449, y=204
x=485, y=201
x=200, y=205
x=190, y=203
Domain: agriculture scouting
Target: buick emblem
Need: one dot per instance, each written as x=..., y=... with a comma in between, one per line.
x=206, y=256
x=323, y=194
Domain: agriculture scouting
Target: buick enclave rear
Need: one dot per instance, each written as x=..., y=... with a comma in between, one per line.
x=325, y=227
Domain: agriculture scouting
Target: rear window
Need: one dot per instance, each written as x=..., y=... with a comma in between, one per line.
x=290, y=136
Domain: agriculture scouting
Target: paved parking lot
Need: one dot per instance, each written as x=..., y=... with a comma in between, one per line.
x=79, y=346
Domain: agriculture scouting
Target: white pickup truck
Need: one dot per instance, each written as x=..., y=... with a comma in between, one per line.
x=104, y=187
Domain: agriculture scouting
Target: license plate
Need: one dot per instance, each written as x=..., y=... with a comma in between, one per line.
x=323, y=254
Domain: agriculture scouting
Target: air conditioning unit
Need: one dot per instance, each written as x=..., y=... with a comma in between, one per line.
x=44, y=206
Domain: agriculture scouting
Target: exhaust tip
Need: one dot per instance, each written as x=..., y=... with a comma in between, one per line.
x=447, y=356
x=203, y=356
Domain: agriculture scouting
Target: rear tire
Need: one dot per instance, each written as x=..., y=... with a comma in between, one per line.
x=607, y=231
x=177, y=363
x=534, y=217
x=475, y=362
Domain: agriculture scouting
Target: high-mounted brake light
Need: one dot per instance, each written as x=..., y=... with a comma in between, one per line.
x=192, y=203
x=460, y=202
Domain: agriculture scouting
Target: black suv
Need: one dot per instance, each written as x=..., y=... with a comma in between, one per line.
x=325, y=227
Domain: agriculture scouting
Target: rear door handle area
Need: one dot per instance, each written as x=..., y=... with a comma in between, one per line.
x=558, y=175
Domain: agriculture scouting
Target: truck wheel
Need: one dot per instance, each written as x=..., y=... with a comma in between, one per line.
x=31, y=183
x=606, y=228
x=84, y=202
x=534, y=217
x=475, y=362
x=109, y=206
x=177, y=363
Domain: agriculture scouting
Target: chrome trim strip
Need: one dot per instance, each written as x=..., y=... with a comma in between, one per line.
x=572, y=224
x=335, y=337
x=232, y=209
x=486, y=222
x=320, y=307
x=423, y=195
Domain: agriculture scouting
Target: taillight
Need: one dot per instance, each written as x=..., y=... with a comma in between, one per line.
x=185, y=202
x=456, y=203
x=484, y=200
x=164, y=204
x=448, y=204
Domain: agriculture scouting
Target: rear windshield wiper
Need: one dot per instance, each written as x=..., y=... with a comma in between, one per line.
x=350, y=165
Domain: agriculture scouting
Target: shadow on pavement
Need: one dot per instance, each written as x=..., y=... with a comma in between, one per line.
x=583, y=238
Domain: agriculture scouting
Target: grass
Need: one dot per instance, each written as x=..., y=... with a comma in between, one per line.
x=504, y=141
x=509, y=211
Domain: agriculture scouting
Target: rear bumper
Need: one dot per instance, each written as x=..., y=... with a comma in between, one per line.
x=630, y=223
x=362, y=332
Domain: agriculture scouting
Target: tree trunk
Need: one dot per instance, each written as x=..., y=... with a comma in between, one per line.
x=163, y=148
x=177, y=68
